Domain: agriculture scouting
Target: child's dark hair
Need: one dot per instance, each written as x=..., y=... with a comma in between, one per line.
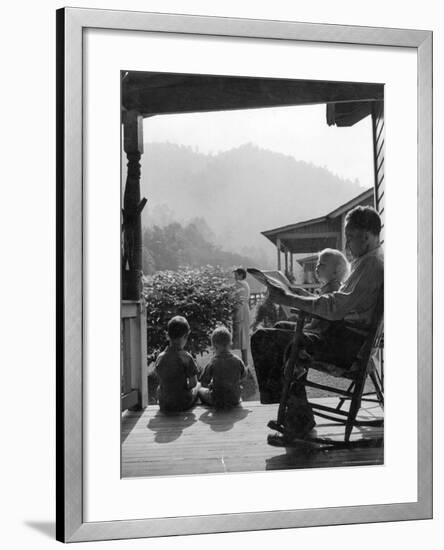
x=221, y=336
x=177, y=327
x=241, y=272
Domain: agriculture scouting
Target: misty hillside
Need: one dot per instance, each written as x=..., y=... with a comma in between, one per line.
x=238, y=193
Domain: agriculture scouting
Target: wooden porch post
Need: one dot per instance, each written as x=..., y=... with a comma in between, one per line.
x=135, y=394
x=341, y=245
x=132, y=208
x=291, y=263
x=278, y=246
x=286, y=261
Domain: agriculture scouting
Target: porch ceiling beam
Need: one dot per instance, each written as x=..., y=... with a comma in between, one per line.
x=347, y=114
x=167, y=94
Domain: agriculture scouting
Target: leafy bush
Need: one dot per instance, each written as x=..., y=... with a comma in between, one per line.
x=204, y=296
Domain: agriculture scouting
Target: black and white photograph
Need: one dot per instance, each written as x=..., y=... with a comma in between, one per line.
x=252, y=274
x=222, y=274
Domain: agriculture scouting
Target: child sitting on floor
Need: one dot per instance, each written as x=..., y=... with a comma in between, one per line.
x=221, y=378
x=176, y=370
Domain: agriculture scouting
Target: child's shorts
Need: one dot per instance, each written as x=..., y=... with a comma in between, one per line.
x=207, y=397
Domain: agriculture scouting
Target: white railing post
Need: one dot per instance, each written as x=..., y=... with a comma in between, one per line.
x=135, y=369
x=143, y=370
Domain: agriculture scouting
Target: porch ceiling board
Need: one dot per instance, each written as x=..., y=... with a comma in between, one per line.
x=169, y=93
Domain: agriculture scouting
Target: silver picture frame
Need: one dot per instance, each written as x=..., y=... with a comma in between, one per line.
x=71, y=24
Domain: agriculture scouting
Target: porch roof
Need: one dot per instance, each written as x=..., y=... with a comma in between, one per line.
x=153, y=93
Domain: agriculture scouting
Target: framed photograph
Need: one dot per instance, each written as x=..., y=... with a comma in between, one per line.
x=227, y=324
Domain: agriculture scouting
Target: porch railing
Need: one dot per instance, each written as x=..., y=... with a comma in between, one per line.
x=133, y=356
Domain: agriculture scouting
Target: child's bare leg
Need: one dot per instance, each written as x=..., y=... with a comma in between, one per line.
x=205, y=396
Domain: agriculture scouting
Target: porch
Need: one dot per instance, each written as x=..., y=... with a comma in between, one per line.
x=147, y=94
x=203, y=441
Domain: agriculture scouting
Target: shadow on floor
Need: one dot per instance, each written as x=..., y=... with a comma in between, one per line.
x=317, y=451
x=223, y=420
x=169, y=427
x=301, y=455
x=292, y=458
x=45, y=527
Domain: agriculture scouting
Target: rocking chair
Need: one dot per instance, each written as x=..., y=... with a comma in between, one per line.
x=368, y=363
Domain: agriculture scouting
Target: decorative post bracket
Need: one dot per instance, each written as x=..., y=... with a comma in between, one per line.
x=132, y=208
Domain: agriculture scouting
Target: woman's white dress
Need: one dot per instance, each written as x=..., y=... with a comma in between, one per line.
x=241, y=317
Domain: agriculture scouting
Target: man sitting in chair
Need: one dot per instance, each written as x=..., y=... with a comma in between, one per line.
x=349, y=310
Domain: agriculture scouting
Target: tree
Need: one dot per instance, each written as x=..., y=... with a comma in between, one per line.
x=174, y=245
x=148, y=262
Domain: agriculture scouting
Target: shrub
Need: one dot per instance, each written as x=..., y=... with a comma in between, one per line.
x=205, y=296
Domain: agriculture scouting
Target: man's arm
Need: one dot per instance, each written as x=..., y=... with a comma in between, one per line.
x=304, y=303
x=300, y=291
x=336, y=305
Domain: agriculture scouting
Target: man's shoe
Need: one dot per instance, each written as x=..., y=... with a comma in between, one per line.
x=274, y=425
x=277, y=440
x=303, y=432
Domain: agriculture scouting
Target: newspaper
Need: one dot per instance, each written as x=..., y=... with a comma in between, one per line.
x=280, y=282
x=275, y=279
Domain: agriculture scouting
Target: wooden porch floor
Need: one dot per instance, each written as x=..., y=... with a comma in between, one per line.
x=203, y=441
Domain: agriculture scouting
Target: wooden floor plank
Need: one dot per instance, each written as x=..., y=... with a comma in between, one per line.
x=203, y=441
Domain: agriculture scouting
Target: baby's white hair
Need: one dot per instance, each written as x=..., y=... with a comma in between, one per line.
x=341, y=263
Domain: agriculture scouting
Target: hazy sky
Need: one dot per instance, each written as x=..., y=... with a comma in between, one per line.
x=301, y=132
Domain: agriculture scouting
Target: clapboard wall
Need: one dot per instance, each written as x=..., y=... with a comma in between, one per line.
x=379, y=159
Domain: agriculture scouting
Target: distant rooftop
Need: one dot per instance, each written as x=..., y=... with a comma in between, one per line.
x=310, y=236
x=331, y=215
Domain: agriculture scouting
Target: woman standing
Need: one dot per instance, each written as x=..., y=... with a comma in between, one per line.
x=241, y=317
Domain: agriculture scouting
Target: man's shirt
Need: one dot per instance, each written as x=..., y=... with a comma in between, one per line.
x=356, y=298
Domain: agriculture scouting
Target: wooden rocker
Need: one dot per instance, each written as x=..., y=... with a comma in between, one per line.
x=364, y=365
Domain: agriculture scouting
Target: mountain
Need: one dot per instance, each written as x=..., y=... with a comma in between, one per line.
x=237, y=193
